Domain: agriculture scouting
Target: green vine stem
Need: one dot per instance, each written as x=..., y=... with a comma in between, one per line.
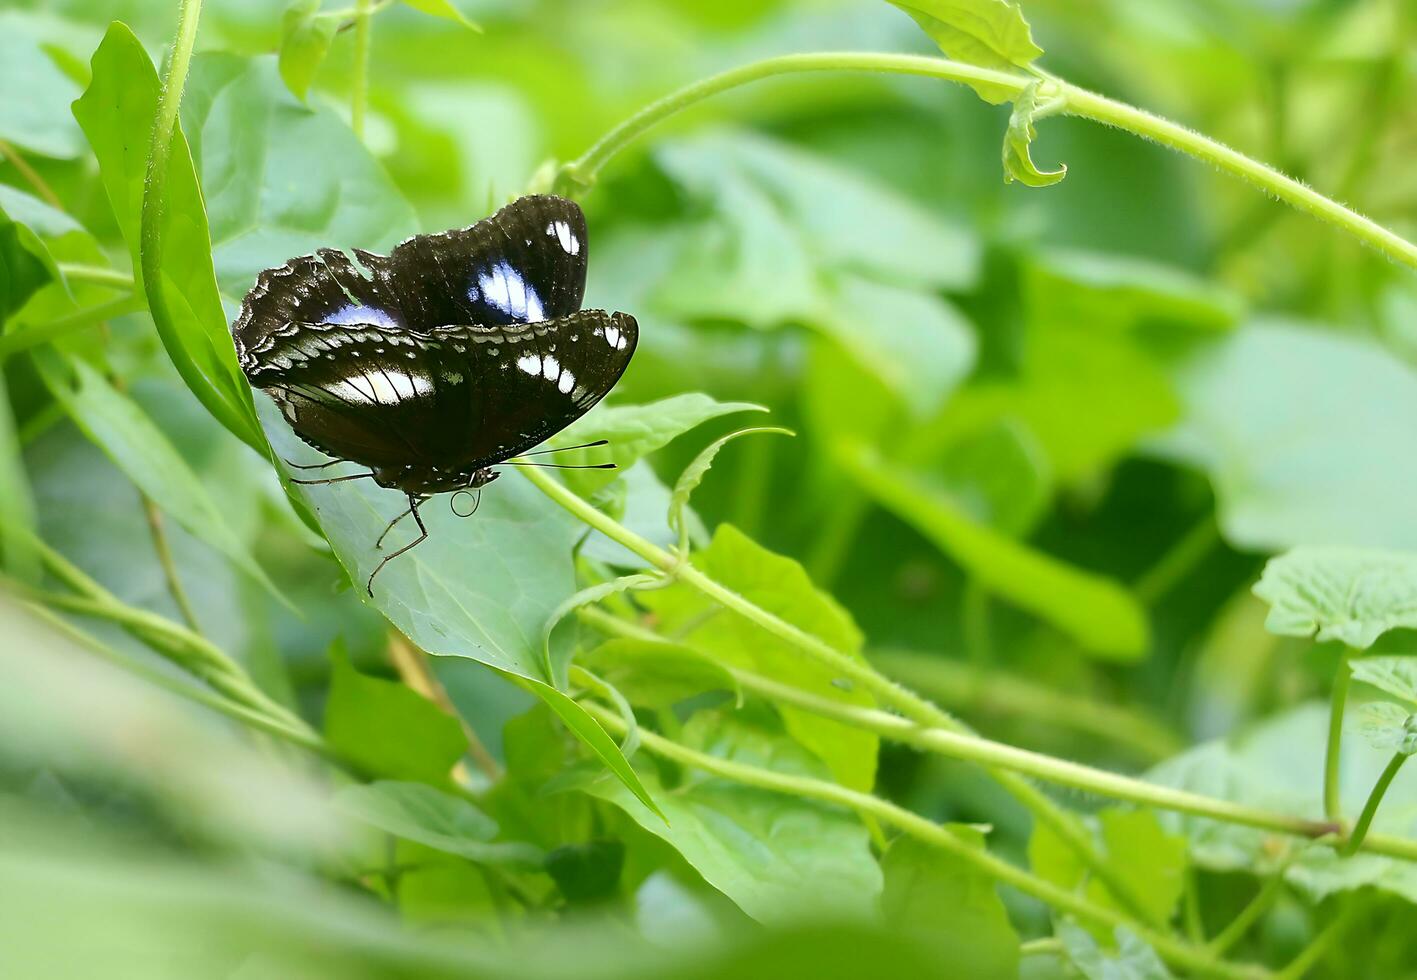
x=1333, y=754
x=1251, y=913
x=1180, y=953
x=986, y=752
x=1060, y=96
x=1370, y=808
x=908, y=703
x=98, y=274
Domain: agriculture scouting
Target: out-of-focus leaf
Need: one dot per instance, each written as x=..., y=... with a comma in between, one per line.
x=305, y=39
x=116, y=424
x=117, y=113
x=1389, y=727
x=1133, y=959
x=1344, y=594
x=17, y=513
x=1392, y=675
x=1151, y=860
x=444, y=9
x=777, y=857
x=1276, y=765
x=35, y=113
x=1300, y=432
x=42, y=218
x=781, y=586
x=1098, y=612
x=1018, y=140
x=430, y=816
x=951, y=906
x=988, y=33
x=587, y=873
x=387, y=728
x=657, y=675
x=280, y=178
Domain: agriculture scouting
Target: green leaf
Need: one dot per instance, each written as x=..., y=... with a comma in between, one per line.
x=17, y=511
x=35, y=115
x=1018, y=140
x=1096, y=611
x=305, y=38
x=777, y=857
x=1274, y=765
x=25, y=266
x=1344, y=594
x=1389, y=727
x=952, y=906
x=1296, y=428
x=117, y=113
x=437, y=819
x=1133, y=959
x=42, y=218
x=780, y=586
x=1392, y=675
x=387, y=728
x=588, y=730
x=656, y=674
x=987, y=33
x=694, y=474
x=1136, y=848
x=587, y=873
x=444, y=9
x=118, y=426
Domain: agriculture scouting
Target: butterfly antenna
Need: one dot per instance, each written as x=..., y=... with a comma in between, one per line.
x=566, y=449
x=566, y=466
x=333, y=479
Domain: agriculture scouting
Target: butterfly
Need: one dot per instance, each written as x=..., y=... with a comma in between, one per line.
x=431, y=365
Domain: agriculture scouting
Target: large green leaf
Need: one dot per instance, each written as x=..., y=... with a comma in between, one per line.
x=1096, y=611
x=1278, y=765
x=432, y=817
x=1396, y=676
x=35, y=113
x=781, y=586
x=988, y=33
x=117, y=113
x=118, y=426
x=779, y=858
x=1344, y=594
x=1304, y=436
x=951, y=906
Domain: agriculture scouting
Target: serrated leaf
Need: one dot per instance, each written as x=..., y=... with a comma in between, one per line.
x=987, y=33
x=1388, y=727
x=936, y=897
x=421, y=813
x=1393, y=675
x=1345, y=594
x=444, y=9
x=127, y=436
x=779, y=858
x=1018, y=140
x=782, y=587
x=694, y=474
x=1096, y=611
x=305, y=38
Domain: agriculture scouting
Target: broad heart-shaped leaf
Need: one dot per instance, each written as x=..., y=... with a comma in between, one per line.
x=1018, y=142
x=779, y=858
x=34, y=116
x=387, y=728
x=1304, y=435
x=422, y=813
x=988, y=33
x=1137, y=850
x=952, y=906
x=1346, y=594
x=1388, y=727
x=1133, y=959
x=281, y=178
x=1096, y=611
x=780, y=586
x=1277, y=765
x=1391, y=675
x=305, y=39
x=116, y=424
x=117, y=113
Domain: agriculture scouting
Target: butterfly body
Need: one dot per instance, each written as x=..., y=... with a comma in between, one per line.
x=435, y=363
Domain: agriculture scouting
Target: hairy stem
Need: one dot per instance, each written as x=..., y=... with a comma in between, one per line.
x=1178, y=952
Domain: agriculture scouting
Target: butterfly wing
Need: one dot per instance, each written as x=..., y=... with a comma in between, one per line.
x=525, y=263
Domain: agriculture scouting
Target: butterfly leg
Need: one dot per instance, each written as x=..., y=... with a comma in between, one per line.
x=413, y=503
x=333, y=479
x=380, y=542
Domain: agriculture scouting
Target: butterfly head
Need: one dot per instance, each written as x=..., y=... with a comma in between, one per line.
x=480, y=478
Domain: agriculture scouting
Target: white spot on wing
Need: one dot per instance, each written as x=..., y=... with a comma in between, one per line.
x=612, y=337
x=354, y=313
x=530, y=363
x=504, y=289
x=549, y=368
x=567, y=382
x=561, y=231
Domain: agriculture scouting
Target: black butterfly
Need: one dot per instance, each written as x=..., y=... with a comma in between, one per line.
x=432, y=364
